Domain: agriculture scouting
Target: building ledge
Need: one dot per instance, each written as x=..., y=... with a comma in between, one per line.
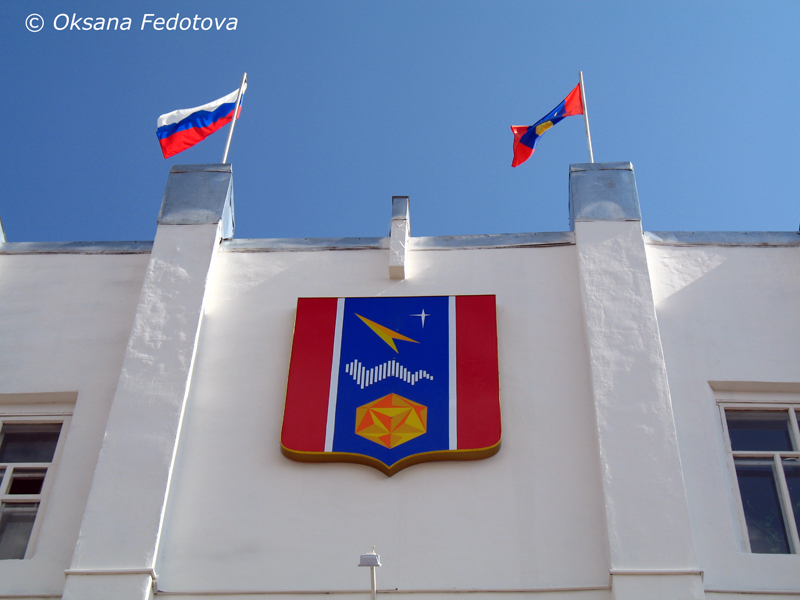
x=723, y=238
x=455, y=242
x=75, y=247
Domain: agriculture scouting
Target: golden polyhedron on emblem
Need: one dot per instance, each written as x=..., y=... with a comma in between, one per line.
x=391, y=420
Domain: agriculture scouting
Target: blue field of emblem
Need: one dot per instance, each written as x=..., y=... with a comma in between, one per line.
x=371, y=369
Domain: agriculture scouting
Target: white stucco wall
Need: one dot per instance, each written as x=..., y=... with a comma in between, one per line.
x=729, y=318
x=64, y=323
x=532, y=518
x=243, y=517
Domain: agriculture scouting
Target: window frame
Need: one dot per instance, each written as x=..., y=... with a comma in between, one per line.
x=33, y=418
x=789, y=404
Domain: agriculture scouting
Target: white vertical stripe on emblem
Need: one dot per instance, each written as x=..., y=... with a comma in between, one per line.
x=337, y=351
x=451, y=318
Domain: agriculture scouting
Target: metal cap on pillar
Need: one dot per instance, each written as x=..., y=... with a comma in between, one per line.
x=198, y=195
x=603, y=192
x=399, y=232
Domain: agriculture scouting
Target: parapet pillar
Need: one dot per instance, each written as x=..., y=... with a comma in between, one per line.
x=651, y=547
x=399, y=232
x=115, y=556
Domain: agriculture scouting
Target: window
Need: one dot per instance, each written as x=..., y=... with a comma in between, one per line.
x=764, y=445
x=26, y=455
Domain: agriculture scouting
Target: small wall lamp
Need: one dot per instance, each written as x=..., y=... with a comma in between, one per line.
x=371, y=560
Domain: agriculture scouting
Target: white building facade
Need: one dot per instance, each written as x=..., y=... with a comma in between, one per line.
x=650, y=394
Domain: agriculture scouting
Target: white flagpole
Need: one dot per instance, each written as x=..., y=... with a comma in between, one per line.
x=585, y=119
x=236, y=112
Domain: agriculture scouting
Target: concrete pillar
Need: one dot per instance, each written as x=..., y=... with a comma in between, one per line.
x=120, y=532
x=650, y=535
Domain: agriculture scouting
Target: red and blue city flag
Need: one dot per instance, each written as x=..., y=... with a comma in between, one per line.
x=392, y=382
x=526, y=136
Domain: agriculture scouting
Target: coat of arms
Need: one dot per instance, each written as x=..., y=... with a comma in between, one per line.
x=392, y=382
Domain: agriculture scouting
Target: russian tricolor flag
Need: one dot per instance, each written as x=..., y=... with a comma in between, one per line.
x=182, y=129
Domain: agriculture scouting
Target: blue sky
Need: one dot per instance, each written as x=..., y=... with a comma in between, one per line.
x=353, y=102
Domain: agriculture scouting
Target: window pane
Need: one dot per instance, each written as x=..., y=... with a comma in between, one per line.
x=759, y=430
x=792, y=469
x=29, y=443
x=762, y=509
x=16, y=524
x=27, y=481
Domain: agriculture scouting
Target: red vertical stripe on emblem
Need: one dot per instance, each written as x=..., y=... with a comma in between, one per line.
x=478, y=381
x=306, y=412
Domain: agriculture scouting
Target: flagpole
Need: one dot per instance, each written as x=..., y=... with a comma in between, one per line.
x=585, y=119
x=236, y=113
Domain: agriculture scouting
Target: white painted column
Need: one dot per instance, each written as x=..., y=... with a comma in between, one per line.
x=398, y=238
x=115, y=556
x=650, y=536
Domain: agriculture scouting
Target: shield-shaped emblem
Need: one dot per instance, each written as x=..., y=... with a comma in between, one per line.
x=392, y=382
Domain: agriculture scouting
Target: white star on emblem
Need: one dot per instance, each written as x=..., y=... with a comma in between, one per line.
x=422, y=315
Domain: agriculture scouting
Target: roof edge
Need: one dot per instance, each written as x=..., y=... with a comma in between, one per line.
x=454, y=242
x=75, y=247
x=723, y=238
